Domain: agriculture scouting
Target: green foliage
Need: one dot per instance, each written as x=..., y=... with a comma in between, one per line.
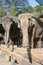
x=8, y=1
x=37, y=11
x=18, y=3
x=30, y=8
x=36, y=14
x=38, y=8
x=2, y=12
x=14, y=1
x=13, y=11
x=25, y=9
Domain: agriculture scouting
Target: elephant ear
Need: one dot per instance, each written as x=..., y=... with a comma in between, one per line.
x=29, y=21
x=19, y=23
x=2, y=24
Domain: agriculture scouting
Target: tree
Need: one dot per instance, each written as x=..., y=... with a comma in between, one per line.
x=17, y=3
x=38, y=8
x=2, y=11
x=26, y=9
x=20, y=3
x=13, y=11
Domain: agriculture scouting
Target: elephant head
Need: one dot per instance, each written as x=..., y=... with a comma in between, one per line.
x=11, y=27
x=6, y=25
x=25, y=21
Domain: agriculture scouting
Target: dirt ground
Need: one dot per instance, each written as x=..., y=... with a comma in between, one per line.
x=4, y=58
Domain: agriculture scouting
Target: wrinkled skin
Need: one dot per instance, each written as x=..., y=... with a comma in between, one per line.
x=15, y=33
x=37, y=33
x=12, y=31
x=30, y=30
x=24, y=20
x=6, y=25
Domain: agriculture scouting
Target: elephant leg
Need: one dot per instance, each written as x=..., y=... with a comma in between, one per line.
x=39, y=43
x=25, y=38
x=34, y=43
x=6, y=37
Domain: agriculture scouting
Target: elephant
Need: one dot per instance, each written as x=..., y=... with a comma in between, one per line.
x=25, y=24
x=37, y=34
x=12, y=30
x=24, y=29
x=31, y=30
x=15, y=34
x=6, y=25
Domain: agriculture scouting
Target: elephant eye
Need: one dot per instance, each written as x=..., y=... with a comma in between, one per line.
x=19, y=21
x=29, y=19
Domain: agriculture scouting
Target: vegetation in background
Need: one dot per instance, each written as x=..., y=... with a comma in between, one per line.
x=19, y=6
x=17, y=3
x=13, y=10
x=37, y=10
x=27, y=9
x=2, y=11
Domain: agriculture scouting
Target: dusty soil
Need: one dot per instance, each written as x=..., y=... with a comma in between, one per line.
x=18, y=56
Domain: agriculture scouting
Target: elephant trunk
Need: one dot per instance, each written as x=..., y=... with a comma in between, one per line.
x=25, y=38
x=6, y=37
